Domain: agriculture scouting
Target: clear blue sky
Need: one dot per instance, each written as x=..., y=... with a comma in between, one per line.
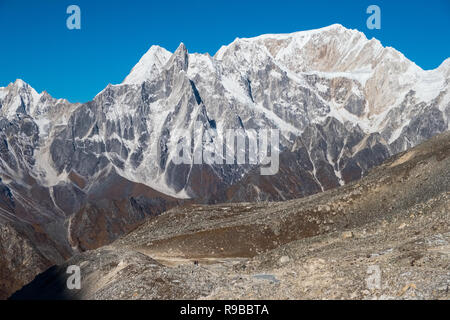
x=37, y=47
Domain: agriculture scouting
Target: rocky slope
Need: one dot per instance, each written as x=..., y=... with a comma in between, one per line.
x=322, y=246
x=77, y=176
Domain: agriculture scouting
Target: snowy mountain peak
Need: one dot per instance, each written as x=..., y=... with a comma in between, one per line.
x=337, y=26
x=149, y=66
x=17, y=97
x=20, y=83
x=181, y=48
x=180, y=58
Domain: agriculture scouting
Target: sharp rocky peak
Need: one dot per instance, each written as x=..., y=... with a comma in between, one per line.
x=180, y=58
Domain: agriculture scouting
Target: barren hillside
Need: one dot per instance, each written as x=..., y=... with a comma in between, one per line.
x=323, y=246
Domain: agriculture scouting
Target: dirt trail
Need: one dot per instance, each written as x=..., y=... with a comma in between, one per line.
x=174, y=260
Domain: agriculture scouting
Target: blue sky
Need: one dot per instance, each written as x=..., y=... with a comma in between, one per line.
x=37, y=47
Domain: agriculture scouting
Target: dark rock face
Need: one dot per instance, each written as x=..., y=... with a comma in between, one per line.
x=324, y=157
x=45, y=224
x=20, y=260
x=114, y=207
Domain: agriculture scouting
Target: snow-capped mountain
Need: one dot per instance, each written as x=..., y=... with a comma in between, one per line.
x=297, y=83
x=88, y=172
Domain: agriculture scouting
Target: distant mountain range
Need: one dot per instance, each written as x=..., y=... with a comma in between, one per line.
x=77, y=176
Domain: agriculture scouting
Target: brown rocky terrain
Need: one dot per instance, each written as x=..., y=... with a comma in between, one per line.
x=33, y=237
x=396, y=220
x=15, y=250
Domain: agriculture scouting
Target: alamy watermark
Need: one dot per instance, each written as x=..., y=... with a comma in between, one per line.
x=74, y=20
x=234, y=146
x=374, y=20
x=74, y=280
